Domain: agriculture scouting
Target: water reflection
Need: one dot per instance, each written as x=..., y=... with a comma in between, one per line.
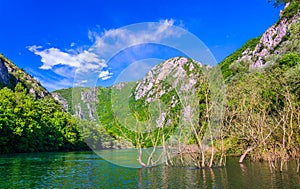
x=87, y=170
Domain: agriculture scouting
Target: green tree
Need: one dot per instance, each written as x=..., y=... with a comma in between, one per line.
x=28, y=124
x=289, y=60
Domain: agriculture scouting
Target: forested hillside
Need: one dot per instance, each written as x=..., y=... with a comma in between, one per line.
x=263, y=82
x=30, y=119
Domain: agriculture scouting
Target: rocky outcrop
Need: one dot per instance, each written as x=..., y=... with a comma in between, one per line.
x=4, y=76
x=269, y=42
x=78, y=101
x=61, y=100
x=176, y=73
x=11, y=75
x=174, y=82
x=119, y=86
x=85, y=103
x=89, y=97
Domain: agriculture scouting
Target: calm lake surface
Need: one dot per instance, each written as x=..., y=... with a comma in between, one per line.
x=88, y=170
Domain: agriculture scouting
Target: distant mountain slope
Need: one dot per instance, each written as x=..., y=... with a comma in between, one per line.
x=168, y=82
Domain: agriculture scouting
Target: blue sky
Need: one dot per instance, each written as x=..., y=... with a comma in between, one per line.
x=53, y=39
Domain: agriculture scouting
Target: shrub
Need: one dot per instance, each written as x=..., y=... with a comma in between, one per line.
x=289, y=60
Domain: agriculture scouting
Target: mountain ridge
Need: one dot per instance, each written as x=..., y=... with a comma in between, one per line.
x=11, y=75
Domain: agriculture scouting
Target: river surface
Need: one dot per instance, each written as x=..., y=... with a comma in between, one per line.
x=88, y=170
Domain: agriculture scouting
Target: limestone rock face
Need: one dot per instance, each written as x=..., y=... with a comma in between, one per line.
x=271, y=42
x=85, y=109
x=61, y=100
x=10, y=75
x=177, y=80
x=90, y=98
x=176, y=73
x=4, y=76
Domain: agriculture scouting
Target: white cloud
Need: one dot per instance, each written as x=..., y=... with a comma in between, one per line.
x=168, y=22
x=91, y=35
x=54, y=56
x=92, y=67
x=106, y=78
x=104, y=75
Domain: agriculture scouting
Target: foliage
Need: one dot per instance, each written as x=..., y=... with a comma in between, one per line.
x=225, y=64
x=289, y=60
x=97, y=138
x=292, y=9
x=29, y=125
x=262, y=113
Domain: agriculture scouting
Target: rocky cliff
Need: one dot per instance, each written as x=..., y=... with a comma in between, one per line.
x=279, y=39
x=4, y=76
x=10, y=75
x=180, y=73
x=78, y=101
x=266, y=50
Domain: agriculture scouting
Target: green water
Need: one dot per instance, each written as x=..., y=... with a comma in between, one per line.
x=88, y=170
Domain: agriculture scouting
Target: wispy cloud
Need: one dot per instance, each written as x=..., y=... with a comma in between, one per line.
x=72, y=44
x=64, y=71
x=52, y=81
x=111, y=41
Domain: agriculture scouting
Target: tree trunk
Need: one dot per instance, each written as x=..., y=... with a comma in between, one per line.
x=298, y=165
x=245, y=153
x=203, y=159
x=140, y=158
x=212, y=157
